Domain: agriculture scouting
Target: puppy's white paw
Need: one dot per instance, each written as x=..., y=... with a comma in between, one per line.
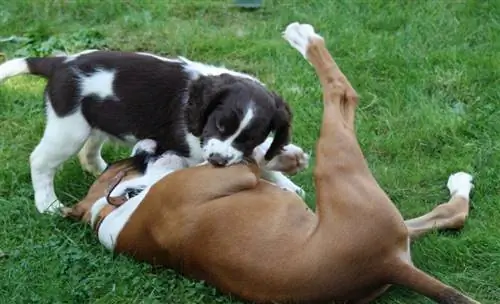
x=290, y=161
x=203, y=163
x=51, y=208
x=170, y=161
x=460, y=184
x=146, y=145
x=299, y=36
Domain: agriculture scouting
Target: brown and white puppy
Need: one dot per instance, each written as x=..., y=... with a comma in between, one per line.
x=249, y=238
x=199, y=111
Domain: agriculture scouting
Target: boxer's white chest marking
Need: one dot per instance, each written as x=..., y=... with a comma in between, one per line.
x=113, y=224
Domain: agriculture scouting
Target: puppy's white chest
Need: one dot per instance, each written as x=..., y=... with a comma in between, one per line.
x=195, y=150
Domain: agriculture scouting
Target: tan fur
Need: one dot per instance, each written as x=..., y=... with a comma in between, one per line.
x=99, y=188
x=251, y=239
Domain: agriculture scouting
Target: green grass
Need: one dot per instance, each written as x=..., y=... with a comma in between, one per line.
x=428, y=76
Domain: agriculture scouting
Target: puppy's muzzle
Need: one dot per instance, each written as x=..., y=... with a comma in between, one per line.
x=218, y=160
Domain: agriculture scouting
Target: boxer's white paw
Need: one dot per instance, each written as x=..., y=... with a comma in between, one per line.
x=299, y=36
x=146, y=145
x=460, y=184
x=290, y=161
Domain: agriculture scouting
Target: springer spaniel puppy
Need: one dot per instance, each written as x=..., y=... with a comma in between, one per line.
x=200, y=112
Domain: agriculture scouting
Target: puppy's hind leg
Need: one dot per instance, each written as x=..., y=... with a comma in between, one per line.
x=90, y=155
x=62, y=138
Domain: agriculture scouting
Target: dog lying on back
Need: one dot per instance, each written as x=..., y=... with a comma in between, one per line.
x=200, y=112
x=249, y=238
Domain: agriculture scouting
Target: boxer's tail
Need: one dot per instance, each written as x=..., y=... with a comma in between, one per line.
x=413, y=278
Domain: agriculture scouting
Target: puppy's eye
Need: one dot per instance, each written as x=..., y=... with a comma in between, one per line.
x=220, y=127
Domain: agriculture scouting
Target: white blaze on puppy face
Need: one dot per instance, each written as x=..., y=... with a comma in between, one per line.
x=225, y=147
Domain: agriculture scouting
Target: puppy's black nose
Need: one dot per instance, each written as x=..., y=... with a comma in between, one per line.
x=217, y=159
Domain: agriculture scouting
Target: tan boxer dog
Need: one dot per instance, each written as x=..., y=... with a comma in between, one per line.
x=254, y=240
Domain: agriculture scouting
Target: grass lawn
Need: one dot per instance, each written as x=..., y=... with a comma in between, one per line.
x=428, y=76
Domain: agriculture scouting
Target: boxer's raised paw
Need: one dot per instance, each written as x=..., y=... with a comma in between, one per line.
x=299, y=36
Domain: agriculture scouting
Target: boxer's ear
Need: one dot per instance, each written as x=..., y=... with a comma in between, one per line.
x=281, y=125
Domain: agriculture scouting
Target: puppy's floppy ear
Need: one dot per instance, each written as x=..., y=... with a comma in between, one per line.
x=281, y=124
x=205, y=94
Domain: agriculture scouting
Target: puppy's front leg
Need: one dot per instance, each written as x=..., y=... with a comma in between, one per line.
x=283, y=182
x=290, y=161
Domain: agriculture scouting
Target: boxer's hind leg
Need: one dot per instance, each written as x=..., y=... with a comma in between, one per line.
x=450, y=215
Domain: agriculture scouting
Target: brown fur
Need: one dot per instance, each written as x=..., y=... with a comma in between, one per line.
x=99, y=188
x=251, y=239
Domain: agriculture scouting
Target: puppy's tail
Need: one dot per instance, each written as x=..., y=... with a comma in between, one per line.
x=40, y=66
x=407, y=275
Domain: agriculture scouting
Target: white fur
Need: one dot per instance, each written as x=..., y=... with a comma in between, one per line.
x=195, y=150
x=291, y=160
x=113, y=224
x=283, y=182
x=96, y=208
x=299, y=36
x=158, y=57
x=13, y=67
x=225, y=147
x=63, y=137
x=76, y=55
x=147, y=145
x=460, y=184
x=99, y=83
x=197, y=69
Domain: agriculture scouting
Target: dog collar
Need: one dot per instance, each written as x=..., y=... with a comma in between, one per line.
x=113, y=201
